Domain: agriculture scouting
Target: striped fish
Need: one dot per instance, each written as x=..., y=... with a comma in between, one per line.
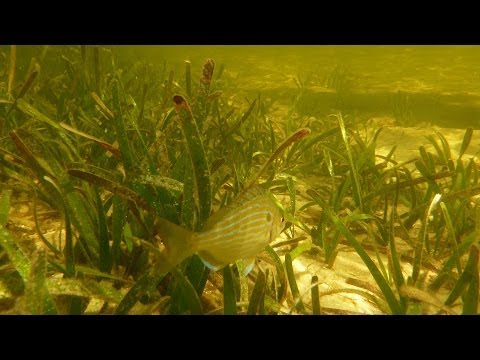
x=238, y=231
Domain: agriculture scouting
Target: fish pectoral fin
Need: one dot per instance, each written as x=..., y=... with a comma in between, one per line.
x=209, y=261
x=247, y=265
x=244, y=265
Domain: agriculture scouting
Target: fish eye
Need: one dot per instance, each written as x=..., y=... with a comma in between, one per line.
x=283, y=219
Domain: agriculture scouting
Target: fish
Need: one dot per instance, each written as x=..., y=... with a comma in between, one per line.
x=238, y=231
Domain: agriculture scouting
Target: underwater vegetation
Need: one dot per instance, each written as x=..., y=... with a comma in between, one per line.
x=156, y=191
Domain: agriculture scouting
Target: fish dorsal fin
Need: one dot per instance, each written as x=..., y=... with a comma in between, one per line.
x=245, y=195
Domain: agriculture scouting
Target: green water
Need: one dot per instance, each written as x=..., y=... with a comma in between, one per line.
x=441, y=81
x=370, y=152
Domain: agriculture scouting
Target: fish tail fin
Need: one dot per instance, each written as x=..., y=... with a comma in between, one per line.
x=177, y=240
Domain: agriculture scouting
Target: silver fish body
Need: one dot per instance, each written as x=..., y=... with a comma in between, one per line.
x=239, y=231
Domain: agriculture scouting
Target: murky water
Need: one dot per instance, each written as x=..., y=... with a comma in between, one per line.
x=81, y=127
